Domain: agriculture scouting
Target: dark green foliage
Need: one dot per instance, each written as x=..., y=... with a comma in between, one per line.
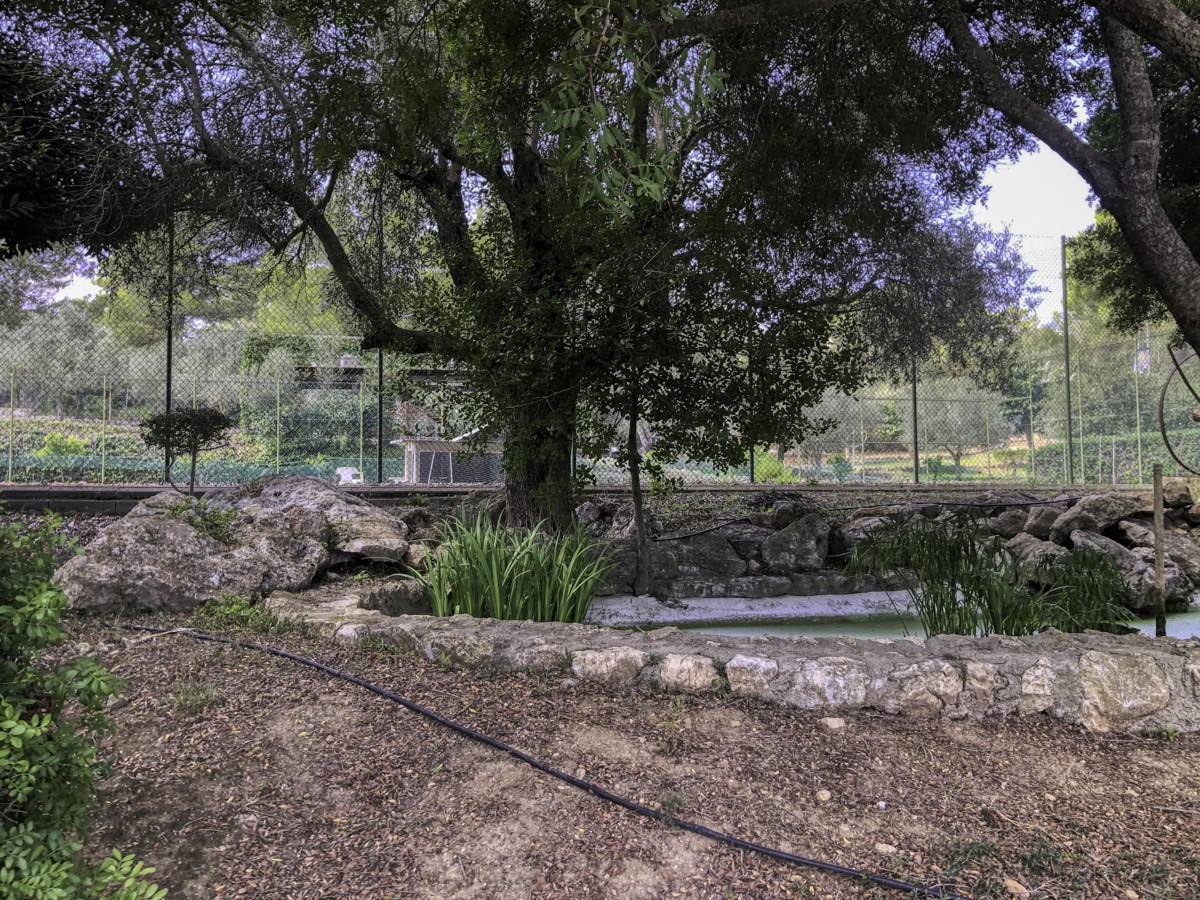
x=49, y=717
x=485, y=570
x=237, y=612
x=962, y=583
x=187, y=432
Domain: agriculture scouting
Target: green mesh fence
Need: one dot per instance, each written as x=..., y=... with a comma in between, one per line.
x=76, y=378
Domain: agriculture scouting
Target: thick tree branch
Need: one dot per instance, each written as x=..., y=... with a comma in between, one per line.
x=1095, y=167
x=1140, y=140
x=741, y=17
x=1162, y=24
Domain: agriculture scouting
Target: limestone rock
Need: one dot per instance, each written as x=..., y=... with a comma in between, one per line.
x=159, y=557
x=616, y=665
x=1137, y=568
x=1095, y=512
x=418, y=556
x=1041, y=520
x=355, y=526
x=1176, y=494
x=1181, y=549
x=833, y=723
x=750, y=675
x=682, y=672
x=1037, y=688
x=787, y=512
x=855, y=530
x=1119, y=688
x=835, y=681
x=922, y=689
x=746, y=539
x=983, y=680
x=587, y=512
x=1009, y=523
x=761, y=519
x=709, y=554
x=802, y=545
x=1030, y=551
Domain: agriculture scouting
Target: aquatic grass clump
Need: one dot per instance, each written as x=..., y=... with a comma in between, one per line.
x=963, y=583
x=488, y=571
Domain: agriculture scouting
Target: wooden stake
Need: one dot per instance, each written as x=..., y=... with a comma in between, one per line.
x=1160, y=591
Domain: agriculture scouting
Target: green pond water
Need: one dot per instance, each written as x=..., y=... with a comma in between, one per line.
x=1180, y=625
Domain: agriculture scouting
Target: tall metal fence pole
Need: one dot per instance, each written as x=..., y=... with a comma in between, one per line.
x=12, y=419
x=103, y=426
x=1067, y=360
x=361, y=412
x=379, y=424
x=278, y=425
x=916, y=449
x=752, y=464
x=1137, y=409
x=862, y=445
x=170, y=330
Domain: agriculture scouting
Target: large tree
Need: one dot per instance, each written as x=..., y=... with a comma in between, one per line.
x=1027, y=64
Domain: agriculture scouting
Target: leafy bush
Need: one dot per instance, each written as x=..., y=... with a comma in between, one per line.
x=237, y=612
x=768, y=469
x=485, y=570
x=49, y=717
x=842, y=467
x=962, y=583
x=55, y=443
x=187, y=432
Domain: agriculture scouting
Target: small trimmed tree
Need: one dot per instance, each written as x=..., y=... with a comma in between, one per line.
x=186, y=431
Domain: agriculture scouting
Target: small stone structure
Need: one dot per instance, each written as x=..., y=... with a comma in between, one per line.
x=1101, y=681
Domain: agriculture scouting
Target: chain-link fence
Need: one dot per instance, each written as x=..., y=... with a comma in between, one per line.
x=76, y=378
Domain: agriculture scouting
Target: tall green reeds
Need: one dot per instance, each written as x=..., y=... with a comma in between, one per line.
x=962, y=583
x=488, y=571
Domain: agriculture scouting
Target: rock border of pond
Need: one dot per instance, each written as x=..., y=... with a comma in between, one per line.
x=1103, y=682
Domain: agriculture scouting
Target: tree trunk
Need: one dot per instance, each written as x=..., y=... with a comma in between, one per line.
x=641, y=578
x=192, y=475
x=537, y=483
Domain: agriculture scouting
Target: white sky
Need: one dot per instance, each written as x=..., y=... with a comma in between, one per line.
x=1039, y=198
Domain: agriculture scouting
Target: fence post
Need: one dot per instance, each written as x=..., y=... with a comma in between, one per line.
x=752, y=464
x=12, y=419
x=916, y=450
x=1032, y=439
x=379, y=425
x=987, y=432
x=1137, y=409
x=862, y=445
x=361, y=411
x=278, y=426
x=170, y=330
x=103, y=426
x=1067, y=361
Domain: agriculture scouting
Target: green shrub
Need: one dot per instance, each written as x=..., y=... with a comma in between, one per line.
x=49, y=717
x=842, y=467
x=488, y=571
x=768, y=468
x=55, y=443
x=962, y=583
x=237, y=612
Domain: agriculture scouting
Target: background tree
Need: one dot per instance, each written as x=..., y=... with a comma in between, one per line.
x=30, y=280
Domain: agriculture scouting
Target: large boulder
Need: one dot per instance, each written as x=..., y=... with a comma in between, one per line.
x=173, y=553
x=1176, y=494
x=1040, y=520
x=1030, y=550
x=1096, y=512
x=802, y=545
x=1181, y=549
x=1009, y=523
x=746, y=539
x=1137, y=568
x=709, y=555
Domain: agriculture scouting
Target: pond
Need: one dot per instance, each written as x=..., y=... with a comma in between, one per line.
x=1180, y=625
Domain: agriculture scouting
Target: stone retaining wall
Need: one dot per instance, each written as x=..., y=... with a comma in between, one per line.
x=1103, y=682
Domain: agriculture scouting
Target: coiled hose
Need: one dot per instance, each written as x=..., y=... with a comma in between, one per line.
x=881, y=880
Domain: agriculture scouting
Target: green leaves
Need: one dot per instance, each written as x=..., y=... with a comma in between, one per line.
x=48, y=718
x=488, y=571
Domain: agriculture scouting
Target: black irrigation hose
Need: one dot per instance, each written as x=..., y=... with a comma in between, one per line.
x=881, y=880
x=679, y=537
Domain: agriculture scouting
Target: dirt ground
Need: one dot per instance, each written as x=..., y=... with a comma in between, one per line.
x=240, y=774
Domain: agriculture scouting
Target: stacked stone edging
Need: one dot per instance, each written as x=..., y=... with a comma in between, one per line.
x=1100, y=681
